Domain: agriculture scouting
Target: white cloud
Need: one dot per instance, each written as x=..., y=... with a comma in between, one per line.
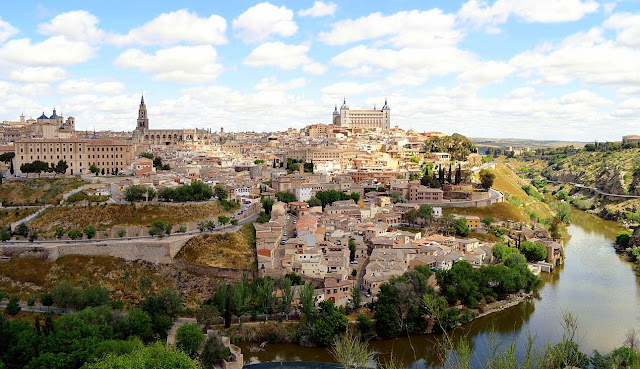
x=38, y=74
x=409, y=66
x=6, y=30
x=57, y=50
x=181, y=64
x=480, y=13
x=485, y=73
x=584, y=56
x=585, y=97
x=86, y=86
x=278, y=54
x=521, y=92
x=76, y=25
x=314, y=68
x=271, y=84
x=319, y=9
x=431, y=28
x=341, y=89
x=627, y=26
x=175, y=27
x=263, y=20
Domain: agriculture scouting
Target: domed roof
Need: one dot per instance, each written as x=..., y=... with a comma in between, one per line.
x=335, y=111
x=43, y=116
x=54, y=116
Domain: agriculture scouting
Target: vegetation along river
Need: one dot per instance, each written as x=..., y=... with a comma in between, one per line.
x=597, y=285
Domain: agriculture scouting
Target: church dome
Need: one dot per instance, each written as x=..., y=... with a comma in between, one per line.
x=43, y=116
x=344, y=104
x=54, y=116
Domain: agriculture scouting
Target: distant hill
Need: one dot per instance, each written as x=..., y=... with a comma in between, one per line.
x=522, y=143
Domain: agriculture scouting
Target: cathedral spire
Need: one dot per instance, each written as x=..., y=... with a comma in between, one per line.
x=142, y=100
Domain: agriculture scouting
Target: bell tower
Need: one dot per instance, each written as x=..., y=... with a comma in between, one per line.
x=143, y=120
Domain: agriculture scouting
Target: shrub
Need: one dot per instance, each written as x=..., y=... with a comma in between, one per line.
x=214, y=351
x=189, y=338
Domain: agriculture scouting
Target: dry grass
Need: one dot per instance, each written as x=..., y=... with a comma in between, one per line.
x=28, y=276
x=105, y=217
x=222, y=250
x=8, y=216
x=37, y=190
x=502, y=211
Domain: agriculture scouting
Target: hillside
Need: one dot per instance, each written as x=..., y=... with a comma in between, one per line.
x=8, y=216
x=36, y=190
x=105, y=217
x=222, y=250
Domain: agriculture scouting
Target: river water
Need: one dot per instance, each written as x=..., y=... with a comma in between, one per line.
x=597, y=285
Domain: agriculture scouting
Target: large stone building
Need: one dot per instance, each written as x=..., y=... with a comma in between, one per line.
x=111, y=155
x=185, y=136
x=370, y=119
x=44, y=127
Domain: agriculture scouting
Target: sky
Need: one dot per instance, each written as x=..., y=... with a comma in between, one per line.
x=537, y=69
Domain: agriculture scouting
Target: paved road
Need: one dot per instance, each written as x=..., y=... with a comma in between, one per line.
x=192, y=233
x=38, y=309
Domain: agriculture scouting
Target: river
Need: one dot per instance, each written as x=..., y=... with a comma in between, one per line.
x=597, y=285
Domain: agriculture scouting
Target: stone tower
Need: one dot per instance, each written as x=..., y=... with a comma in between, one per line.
x=143, y=120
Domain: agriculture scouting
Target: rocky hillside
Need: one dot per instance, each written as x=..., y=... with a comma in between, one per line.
x=614, y=172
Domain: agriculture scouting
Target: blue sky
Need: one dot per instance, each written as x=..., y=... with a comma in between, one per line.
x=542, y=69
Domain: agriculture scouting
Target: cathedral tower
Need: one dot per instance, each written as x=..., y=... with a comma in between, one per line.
x=143, y=120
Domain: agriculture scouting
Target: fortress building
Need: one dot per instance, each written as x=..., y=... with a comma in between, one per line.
x=370, y=119
x=186, y=136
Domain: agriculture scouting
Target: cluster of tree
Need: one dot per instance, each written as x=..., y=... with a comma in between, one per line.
x=160, y=228
x=487, y=177
x=7, y=158
x=267, y=204
x=38, y=166
x=328, y=197
x=532, y=251
x=457, y=145
x=135, y=193
x=293, y=165
x=157, y=161
x=263, y=217
x=285, y=196
x=610, y=146
x=94, y=333
x=452, y=225
x=196, y=191
x=424, y=212
x=433, y=180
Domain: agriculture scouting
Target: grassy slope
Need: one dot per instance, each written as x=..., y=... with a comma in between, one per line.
x=589, y=166
x=9, y=216
x=42, y=190
x=105, y=217
x=225, y=250
x=29, y=275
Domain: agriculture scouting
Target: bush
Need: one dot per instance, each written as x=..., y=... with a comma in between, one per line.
x=533, y=251
x=214, y=352
x=13, y=307
x=189, y=338
x=622, y=239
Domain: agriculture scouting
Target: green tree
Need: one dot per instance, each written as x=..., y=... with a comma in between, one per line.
x=287, y=295
x=411, y=216
x=22, y=230
x=234, y=222
x=425, y=212
x=5, y=236
x=533, y=251
x=13, y=307
x=267, y=204
x=147, y=155
x=223, y=219
x=74, y=233
x=221, y=192
x=364, y=326
x=314, y=201
x=330, y=323
x=461, y=228
x=501, y=251
x=487, y=177
x=149, y=357
x=61, y=167
x=214, y=352
x=60, y=232
x=356, y=299
x=189, y=339
x=151, y=193
x=94, y=169
x=90, y=231
x=207, y=315
x=308, y=301
x=563, y=212
x=286, y=196
x=135, y=193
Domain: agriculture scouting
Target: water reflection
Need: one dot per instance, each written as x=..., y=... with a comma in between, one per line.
x=597, y=285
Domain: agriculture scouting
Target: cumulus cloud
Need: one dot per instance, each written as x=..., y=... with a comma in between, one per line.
x=585, y=97
x=181, y=64
x=278, y=54
x=627, y=26
x=521, y=92
x=319, y=9
x=264, y=20
x=38, y=74
x=585, y=56
x=431, y=28
x=272, y=84
x=485, y=73
x=480, y=13
x=76, y=25
x=87, y=86
x=54, y=51
x=314, y=68
x=175, y=27
x=6, y=30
